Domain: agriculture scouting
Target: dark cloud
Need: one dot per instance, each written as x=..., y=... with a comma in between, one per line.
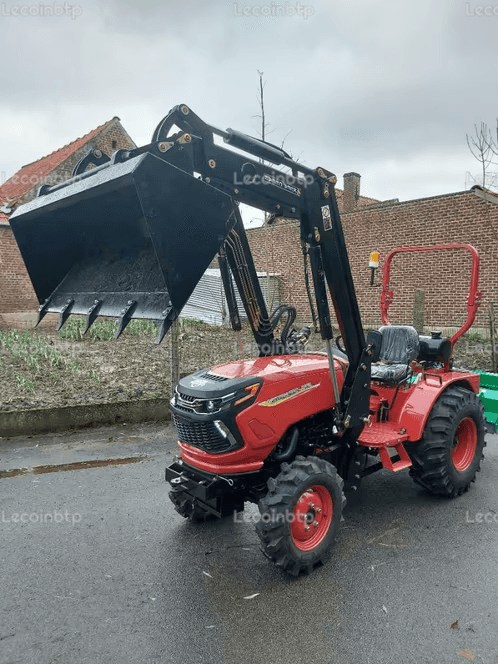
x=387, y=89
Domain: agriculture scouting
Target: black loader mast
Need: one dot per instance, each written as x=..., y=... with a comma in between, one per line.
x=132, y=237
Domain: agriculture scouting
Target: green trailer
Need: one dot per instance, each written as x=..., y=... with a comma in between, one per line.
x=489, y=398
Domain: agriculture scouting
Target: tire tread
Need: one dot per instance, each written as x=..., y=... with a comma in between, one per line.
x=431, y=468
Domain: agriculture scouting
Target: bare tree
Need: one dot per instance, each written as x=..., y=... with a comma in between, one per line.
x=270, y=257
x=263, y=132
x=262, y=116
x=261, y=100
x=483, y=147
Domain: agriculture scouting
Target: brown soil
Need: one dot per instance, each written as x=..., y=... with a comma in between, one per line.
x=134, y=367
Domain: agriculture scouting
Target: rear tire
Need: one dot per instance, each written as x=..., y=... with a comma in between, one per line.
x=448, y=457
x=300, y=514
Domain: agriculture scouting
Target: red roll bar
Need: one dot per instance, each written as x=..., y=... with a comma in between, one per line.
x=473, y=298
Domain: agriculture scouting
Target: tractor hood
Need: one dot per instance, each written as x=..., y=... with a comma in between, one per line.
x=224, y=378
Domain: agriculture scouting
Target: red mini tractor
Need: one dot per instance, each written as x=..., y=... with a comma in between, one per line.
x=288, y=430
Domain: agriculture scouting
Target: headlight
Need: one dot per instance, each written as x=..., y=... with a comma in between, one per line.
x=232, y=400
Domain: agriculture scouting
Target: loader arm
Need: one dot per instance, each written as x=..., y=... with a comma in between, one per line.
x=133, y=236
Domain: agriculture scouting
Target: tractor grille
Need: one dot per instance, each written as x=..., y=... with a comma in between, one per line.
x=204, y=435
x=187, y=403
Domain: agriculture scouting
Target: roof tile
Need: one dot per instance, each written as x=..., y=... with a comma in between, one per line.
x=32, y=174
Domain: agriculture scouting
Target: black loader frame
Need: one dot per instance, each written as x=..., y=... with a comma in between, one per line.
x=90, y=278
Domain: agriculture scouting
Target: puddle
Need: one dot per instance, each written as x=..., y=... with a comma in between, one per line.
x=76, y=465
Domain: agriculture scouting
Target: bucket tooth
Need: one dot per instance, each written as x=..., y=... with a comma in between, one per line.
x=42, y=311
x=126, y=316
x=92, y=314
x=64, y=314
x=165, y=325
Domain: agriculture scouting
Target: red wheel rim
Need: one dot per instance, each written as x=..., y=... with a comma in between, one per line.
x=311, y=518
x=465, y=444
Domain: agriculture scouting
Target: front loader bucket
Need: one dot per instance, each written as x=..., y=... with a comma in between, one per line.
x=130, y=240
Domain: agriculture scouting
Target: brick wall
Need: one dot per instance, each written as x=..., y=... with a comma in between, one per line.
x=462, y=217
x=16, y=292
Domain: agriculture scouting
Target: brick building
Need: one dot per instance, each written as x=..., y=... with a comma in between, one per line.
x=17, y=299
x=468, y=216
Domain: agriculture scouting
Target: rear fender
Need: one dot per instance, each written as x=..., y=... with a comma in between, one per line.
x=419, y=404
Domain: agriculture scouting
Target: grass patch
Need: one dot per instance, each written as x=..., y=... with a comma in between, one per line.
x=31, y=357
x=191, y=324
x=104, y=330
x=94, y=375
x=473, y=337
x=35, y=351
x=25, y=383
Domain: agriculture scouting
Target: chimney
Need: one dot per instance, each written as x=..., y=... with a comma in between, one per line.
x=351, y=194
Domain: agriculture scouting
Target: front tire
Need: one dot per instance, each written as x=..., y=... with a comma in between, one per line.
x=300, y=514
x=448, y=457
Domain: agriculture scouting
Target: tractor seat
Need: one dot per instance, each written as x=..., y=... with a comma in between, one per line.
x=400, y=346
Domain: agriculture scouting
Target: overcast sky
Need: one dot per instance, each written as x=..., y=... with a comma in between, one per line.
x=388, y=88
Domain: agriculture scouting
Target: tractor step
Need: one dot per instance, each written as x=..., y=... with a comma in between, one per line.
x=383, y=437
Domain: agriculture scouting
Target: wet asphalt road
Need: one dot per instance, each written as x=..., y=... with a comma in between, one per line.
x=123, y=579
